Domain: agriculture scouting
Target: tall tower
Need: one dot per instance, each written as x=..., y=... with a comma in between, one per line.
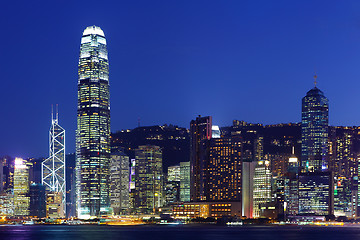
x=21, y=188
x=53, y=168
x=314, y=131
x=148, y=178
x=93, y=126
x=200, y=135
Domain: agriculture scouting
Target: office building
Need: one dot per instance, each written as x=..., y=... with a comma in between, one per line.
x=37, y=200
x=200, y=135
x=6, y=204
x=21, y=188
x=262, y=186
x=316, y=191
x=119, y=182
x=314, y=131
x=172, y=192
x=93, y=126
x=292, y=186
x=173, y=140
x=172, y=185
x=149, y=180
x=248, y=172
x=53, y=168
x=54, y=205
x=173, y=173
x=185, y=181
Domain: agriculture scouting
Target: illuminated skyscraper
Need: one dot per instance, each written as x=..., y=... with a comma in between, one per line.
x=21, y=188
x=314, y=131
x=224, y=169
x=148, y=178
x=200, y=135
x=262, y=186
x=93, y=126
x=185, y=181
x=53, y=168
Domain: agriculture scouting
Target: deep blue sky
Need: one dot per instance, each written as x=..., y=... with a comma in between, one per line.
x=173, y=60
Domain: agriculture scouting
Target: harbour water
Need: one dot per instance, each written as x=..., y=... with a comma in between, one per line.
x=179, y=232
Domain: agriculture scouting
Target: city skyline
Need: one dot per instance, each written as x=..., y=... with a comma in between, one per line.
x=232, y=52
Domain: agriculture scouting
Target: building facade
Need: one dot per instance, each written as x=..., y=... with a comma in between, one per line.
x=149, y=180
x=21, y=188
x=262, y=186
x=224, y=169
x=185, y=181
x=53, y=168
x=314, y=131
x=37, y=200
x=200, y=135
x=316, y=193
x=54, y=205
x=93, y=126
x=119, y=182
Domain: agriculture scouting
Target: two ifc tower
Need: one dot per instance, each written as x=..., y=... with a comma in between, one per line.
x=92, y=134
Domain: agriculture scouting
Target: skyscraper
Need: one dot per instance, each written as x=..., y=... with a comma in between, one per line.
x=315, y=179
x=93, y=126
x=185, y=181
x=224, y=169
x=262, y=186
x=200, y=135
x=53, y=168
x=314, y=131
x=21, y=188
x=148, y=178
x=119, y=182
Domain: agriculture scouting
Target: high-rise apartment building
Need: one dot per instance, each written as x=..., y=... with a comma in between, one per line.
x=53, y=168
x=119, y=182
x=93, y=126
x=21, y=188
x=148, y=178
x=314, y=131
x=200, y=135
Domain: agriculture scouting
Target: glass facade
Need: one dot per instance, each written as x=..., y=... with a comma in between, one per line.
x=316, y=193
x=53, y=168
x=149, y=178
x=200, y=135
x=185, y=181
x=21, y=188
x=262, y=186
x=93, y=126
x=314, y=131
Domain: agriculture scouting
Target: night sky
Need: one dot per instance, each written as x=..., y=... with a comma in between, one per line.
x=173, y=60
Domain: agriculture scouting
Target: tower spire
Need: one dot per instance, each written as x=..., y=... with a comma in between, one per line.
x=315, y=77
x=57, y=113
x=52, y=113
